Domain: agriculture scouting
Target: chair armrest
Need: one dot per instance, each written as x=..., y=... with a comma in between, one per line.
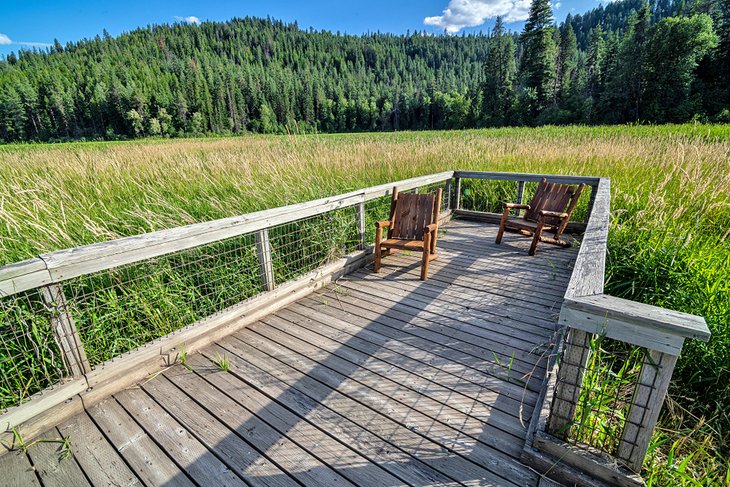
x=431, y=228
x=383, y=224
x=554, y=214
x=516, y=206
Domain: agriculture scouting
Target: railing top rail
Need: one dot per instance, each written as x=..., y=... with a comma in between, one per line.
x=527, y=177
x=589, y=269
x=642, y=315
x=66, y=264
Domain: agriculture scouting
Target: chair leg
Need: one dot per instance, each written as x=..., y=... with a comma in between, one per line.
x=502, y=223
x=378, y=250
x=426, y=255
x=536, y=237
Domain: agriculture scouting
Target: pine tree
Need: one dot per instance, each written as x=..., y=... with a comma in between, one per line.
x=538, y=60
x=499, y=75
x=567, y=60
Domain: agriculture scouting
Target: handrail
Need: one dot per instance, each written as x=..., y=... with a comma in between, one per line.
x=69, y=263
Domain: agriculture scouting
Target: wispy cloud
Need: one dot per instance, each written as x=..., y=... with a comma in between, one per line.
x=460, y=14
x=7, y=41
x=190, y=19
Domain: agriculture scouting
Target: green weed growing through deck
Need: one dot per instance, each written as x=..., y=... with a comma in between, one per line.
x=65, y=451
x=223, y=362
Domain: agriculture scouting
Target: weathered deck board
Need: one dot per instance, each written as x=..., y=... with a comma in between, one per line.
x=379, y=379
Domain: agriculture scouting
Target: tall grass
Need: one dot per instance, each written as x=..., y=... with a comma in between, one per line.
x=669, y=243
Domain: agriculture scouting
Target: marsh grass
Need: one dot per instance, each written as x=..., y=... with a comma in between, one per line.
x=669, y=243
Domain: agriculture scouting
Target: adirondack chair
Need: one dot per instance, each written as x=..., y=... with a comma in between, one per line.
x=549, y=210
x=413, y=225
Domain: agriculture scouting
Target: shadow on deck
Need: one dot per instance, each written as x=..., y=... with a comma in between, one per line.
x=379, y=379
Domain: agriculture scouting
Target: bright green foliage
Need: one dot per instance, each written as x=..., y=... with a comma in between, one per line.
x=676, y=46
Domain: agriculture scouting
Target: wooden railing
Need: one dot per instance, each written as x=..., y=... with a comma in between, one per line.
x=46, y=285
x=569, y=437
x=45, y=291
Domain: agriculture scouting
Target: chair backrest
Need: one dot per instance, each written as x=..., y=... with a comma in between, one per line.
x=553, y=197
x=410, y=213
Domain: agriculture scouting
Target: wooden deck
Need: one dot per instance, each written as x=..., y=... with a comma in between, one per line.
x=380, y=379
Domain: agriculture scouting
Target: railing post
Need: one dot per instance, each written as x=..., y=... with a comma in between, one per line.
x=646, y=404
x=520, y=196
x=449, y=183
x=570, y=377
x=360, y=216
x=64, y=331
x=457, y=190
x=266, y=266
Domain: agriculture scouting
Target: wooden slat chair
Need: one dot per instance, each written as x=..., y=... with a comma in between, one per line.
x=413, y=225
x=549, y=210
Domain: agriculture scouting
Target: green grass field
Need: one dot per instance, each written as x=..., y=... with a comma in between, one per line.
x=669, y=243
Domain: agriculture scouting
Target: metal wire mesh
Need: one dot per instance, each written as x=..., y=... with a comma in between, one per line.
x=120, y=309
x=489, y=196
x=30, y=360
x=304, y=245
x=602, y=392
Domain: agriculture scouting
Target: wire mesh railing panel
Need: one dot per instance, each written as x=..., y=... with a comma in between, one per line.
x=30, y=359
x=303, y=246
x=490, y=195
x=120, y=309
x=487, y=195
x=604, y=392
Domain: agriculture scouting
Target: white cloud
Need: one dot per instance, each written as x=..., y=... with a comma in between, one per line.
x=191, y=19
x=6, y=41
x=470, y=13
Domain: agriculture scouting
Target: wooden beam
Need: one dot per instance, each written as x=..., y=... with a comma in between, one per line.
x=641, y=316
x=64, y=331
x=360, y=217
x=569, y=381
x=533, y=178
x=266, y=266
x=590, y=264
x=22, y=276
x=598, y=467
x=520, y=196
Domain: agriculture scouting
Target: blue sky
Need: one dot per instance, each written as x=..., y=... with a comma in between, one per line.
x=31, y=23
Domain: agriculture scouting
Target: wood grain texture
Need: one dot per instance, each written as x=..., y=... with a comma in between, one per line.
x=380, y=379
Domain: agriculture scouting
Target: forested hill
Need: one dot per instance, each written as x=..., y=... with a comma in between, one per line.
x=626, y=62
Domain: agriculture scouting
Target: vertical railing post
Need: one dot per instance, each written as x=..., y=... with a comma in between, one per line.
x=64, y=331
x=520, y=196
x=266, y=266
x=449, y=183
x=457, y=190
x=570, y=377
x=646, y=405
x=360, y=216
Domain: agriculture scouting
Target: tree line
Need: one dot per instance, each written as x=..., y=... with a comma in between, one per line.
x=631, y=61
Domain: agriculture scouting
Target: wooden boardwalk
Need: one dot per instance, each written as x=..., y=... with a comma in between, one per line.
x=380, y=379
